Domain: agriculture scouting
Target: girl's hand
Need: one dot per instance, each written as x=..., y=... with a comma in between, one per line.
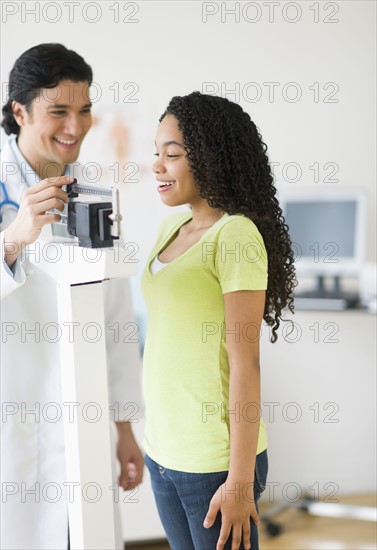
x=236, y=502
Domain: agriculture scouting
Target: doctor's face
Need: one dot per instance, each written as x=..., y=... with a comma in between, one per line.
x=56, y=124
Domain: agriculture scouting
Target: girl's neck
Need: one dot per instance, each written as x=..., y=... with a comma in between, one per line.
x=203, y=216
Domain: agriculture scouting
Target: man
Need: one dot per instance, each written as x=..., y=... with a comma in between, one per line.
x=49, y=111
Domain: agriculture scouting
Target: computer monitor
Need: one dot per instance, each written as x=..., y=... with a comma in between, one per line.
x=328, y=228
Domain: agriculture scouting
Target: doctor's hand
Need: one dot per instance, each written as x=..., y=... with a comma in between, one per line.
x=130, y=457
x=32, y=216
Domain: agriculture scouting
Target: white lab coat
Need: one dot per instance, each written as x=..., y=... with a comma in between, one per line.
x=32, y=447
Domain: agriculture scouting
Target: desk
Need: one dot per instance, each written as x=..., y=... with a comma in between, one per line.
x=318, y=403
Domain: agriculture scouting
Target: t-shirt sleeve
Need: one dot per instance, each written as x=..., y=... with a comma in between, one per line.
x=241, y=258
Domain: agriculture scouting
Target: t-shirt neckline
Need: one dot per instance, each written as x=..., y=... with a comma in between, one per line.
x=174, y=230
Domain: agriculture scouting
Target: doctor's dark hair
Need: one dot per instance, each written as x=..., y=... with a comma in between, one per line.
x=231, y=169
x=42, y=66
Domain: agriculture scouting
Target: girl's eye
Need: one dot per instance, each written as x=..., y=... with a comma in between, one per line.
x=167, y=156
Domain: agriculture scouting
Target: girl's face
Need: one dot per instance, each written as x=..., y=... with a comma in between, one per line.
x=176, y=183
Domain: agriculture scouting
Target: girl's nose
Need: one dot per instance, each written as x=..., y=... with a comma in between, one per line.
x=158, y=167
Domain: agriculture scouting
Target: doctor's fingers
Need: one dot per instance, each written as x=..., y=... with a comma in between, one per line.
x=33, y=212
x=138, y=474
x=48, y=183
x=130, y=482
x=39, y=208
x=132, y=474
x=44, y=194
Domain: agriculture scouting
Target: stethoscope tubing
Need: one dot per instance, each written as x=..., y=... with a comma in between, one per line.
x=7, y=201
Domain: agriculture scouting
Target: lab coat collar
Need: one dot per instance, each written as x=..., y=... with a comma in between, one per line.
x=28, y=175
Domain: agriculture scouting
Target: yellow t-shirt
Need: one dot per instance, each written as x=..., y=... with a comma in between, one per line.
x=185, y=366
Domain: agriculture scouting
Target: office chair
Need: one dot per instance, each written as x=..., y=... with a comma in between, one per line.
x=310, y=505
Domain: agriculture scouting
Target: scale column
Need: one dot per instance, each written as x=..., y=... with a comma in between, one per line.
x=87, y=432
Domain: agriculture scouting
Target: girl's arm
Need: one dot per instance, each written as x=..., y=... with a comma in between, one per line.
x=235, y=498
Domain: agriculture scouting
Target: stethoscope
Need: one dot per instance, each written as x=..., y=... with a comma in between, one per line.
x=7, y=201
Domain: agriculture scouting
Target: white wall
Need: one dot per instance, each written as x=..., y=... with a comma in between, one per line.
x=170, y=50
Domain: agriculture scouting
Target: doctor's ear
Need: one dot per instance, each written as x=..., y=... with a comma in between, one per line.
x=19, y=112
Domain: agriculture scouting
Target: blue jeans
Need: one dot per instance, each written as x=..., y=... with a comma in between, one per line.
x=183, y=500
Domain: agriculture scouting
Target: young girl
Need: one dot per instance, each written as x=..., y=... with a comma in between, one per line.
x=214, y=273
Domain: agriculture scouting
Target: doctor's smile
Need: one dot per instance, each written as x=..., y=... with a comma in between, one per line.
x=66, y=142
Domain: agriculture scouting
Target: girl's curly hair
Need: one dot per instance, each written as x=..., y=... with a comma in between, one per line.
x=231, y=169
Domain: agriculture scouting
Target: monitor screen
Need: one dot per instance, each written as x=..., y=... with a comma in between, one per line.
x=327, y=229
